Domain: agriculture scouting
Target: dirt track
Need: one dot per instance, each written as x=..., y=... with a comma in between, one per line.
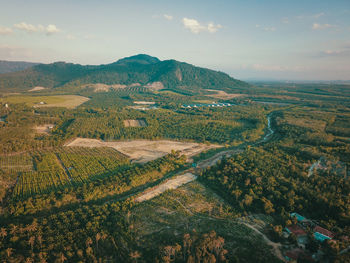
x=170, y=184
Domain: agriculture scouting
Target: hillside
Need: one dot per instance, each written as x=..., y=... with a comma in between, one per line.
x=140, y=69
x=14, y=66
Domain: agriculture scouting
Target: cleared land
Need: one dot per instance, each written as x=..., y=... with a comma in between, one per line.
x=142, y=151
x=220, y=94
x=44, y=129
x=36, y=89
x=168, y=185
x=193, y=207
x=144, y=102
x=100, y=87
x=66, y=101
x=135, y=123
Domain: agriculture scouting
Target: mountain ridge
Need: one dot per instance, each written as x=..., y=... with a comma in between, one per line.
x=141, y=68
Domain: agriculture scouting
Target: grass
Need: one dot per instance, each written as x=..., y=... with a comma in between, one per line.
x=67, y=101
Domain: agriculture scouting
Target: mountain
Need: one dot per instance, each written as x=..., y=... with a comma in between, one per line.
x=138, y=59
x=142, y=69
x=13, y=66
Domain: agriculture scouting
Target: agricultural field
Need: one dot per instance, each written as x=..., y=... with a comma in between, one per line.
x=47, y=176
x=141, y=151
x=16, y=163
x=65, y=101
x=64, y=167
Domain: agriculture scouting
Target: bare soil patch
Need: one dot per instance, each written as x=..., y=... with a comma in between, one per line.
x=44, y=129
x=168, y=185
x=220, y=94
x=135, y=123
x=155, y=86
x=144, y=102
x=100, y=87
x=36, y=89
x=142, y=151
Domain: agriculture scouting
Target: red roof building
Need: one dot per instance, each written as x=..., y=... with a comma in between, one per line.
x=324, y=232
x=294, y=254
x=297, y=253
x=296, y=230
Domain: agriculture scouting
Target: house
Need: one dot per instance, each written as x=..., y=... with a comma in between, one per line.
x=322, y=234
x=293, y=254
x=300, y=218
x=296, y=230
x=299, y=233
x=296, y=254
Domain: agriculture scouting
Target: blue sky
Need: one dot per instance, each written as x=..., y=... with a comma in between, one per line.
x=297, y=40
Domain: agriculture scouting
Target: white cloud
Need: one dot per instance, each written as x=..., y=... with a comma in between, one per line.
x=26, y=27
x=51, y=29
x=285, y=20
x=5, y=30
x=317, y=26
x=265, y=28
x=168, y=17
x=48, y=30
x=318, y=15
x=335, y=53
x=195, y=27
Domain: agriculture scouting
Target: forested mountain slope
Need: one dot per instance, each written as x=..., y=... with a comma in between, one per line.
x=136, y=70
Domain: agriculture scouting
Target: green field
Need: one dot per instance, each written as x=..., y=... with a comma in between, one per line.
x=66, y=101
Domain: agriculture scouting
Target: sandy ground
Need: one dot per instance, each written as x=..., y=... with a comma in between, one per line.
x=36, y=89
x=170, y=184
x=142, y=151
x=70, y=102
x=155, y=86
x=144, y=102
x=135, y=123
x=44, y=129
x=220, y=94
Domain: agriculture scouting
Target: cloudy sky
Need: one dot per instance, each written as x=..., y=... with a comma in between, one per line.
x=270, y=39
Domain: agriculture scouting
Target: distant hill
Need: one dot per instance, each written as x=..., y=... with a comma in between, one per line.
x=13, y=66
x=142, y=69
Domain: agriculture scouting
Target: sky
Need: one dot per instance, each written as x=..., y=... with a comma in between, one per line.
x=248, y=39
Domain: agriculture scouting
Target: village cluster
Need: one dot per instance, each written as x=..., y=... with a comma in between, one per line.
x=300, y=229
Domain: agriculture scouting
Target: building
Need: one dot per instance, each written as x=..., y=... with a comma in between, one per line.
x=296, y=254
x=322, y=234
x=299, y=233
x=300, y=218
